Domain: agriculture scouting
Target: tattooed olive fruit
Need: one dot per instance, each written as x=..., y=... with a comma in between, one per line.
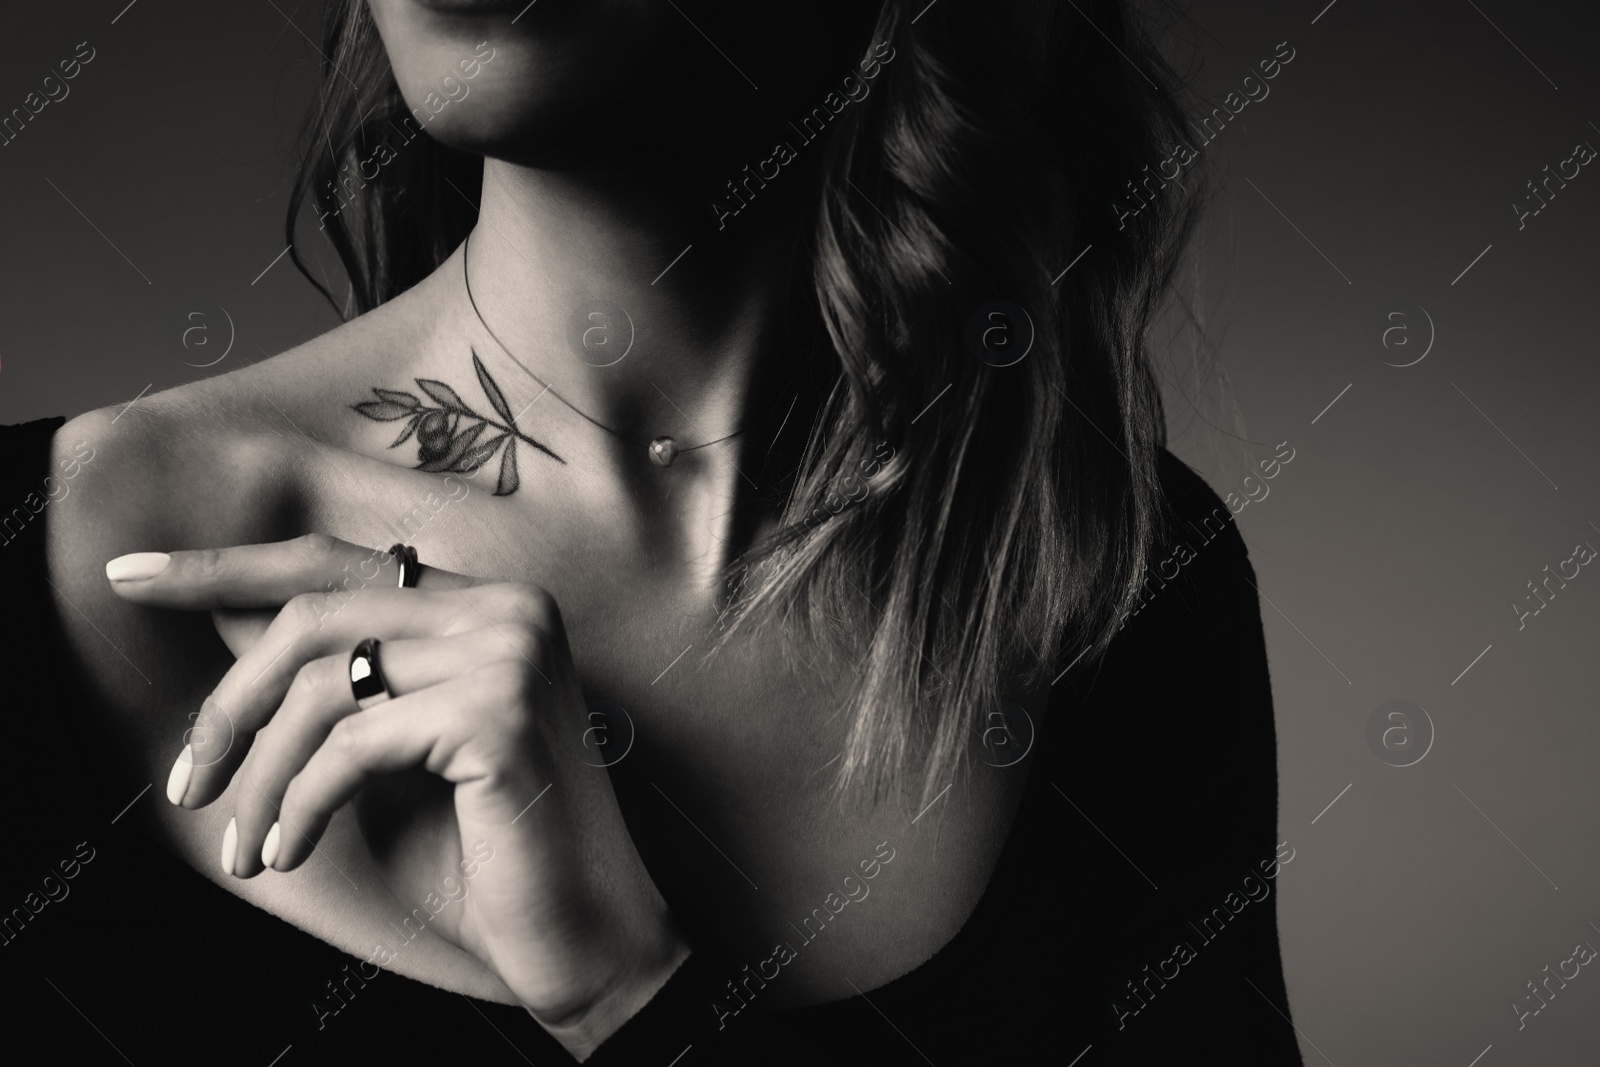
x=433, y=436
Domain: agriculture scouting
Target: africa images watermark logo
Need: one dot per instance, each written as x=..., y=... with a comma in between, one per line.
x=600, y=332
x=55, y=90
x=1007, y=735
x=1400, y=733
x=852, y=88
x=609, y=735
x=1000, y=333
x=455, y=89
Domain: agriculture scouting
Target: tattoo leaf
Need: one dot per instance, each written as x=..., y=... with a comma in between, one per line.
x=480, y=454
x=383, y=410
x=492, y=391
x=508, y=472
x=411, y=428
x=408, y=399
x=447, y=397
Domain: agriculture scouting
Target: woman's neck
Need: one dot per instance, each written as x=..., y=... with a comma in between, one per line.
x=625, y=304
x=637, y=312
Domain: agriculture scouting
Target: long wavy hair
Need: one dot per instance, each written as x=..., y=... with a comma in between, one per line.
x=1009, y=533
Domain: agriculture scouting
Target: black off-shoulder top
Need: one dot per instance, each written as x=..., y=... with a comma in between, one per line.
x=1131, y=918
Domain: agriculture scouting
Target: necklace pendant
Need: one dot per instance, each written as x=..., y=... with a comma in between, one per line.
x=663, y=451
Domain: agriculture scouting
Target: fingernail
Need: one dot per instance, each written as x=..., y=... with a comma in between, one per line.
x=230, y=845
x=178, y=780
x=136, y=565
x=269, y=847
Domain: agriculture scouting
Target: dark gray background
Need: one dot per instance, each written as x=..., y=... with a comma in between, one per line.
x=150, y=201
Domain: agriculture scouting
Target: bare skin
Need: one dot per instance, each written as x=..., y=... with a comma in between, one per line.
x=726, y=792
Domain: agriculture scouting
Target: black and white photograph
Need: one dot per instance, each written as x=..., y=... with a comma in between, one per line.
x=685, y=533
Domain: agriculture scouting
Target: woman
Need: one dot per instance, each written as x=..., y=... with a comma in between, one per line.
x=769, y=669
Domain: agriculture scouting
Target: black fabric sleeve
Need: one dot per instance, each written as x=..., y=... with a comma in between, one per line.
x=1174, y=767
x=676, y=1019
x=699, y=1016
x=37, y=843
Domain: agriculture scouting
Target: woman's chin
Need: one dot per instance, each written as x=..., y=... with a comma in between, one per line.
x=474, y=7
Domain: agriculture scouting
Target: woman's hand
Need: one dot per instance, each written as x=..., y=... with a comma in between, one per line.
x=484, y=695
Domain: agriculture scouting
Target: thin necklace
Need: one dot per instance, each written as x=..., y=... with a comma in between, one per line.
x=663, y=450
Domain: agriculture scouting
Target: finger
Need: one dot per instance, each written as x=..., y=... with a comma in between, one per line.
x=308, y=628
x=317, y=701
x=257, y=576
x=241, y=628
x=458, y=730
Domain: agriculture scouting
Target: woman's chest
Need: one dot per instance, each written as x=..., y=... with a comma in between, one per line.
x=721, y=753
x=644, y=606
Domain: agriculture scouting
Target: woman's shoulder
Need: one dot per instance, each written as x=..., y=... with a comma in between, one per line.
x=150, y=472
x=1196, y=521
x=1198, y=585
x=190, y=457
x=215, y=462
x=228, y=460
x=1190, y=500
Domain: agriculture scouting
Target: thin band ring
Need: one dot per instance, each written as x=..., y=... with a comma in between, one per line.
x=367, y=683
x=410, y=569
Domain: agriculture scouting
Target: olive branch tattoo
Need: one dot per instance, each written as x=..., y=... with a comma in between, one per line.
x=450, y=435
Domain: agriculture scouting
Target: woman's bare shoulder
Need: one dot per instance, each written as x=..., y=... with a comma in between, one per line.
x=198, y=467
x=191, y=466
x=211, y=463
x=168, y=465
x=213, y=458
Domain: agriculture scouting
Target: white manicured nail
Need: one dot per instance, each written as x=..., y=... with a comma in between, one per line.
x=230, y=845
x=136, y=565
x=269, y=847
x=178, y=780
